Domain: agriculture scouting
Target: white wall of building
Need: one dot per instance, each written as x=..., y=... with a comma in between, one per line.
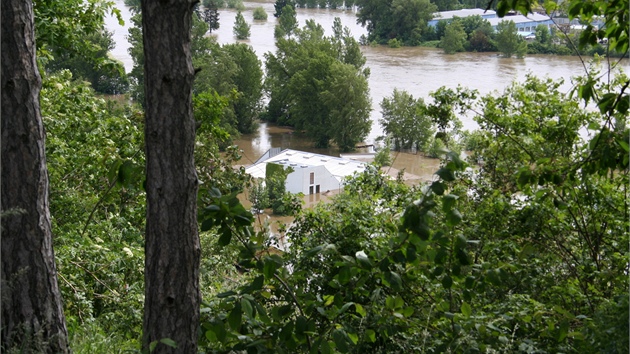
x=299, y=181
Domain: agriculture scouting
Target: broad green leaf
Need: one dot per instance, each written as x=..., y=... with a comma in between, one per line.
x=448, y=201
x=344, y=275
x=269, y=269
x=437, y=187
x=466, y=309
x=247, y=307
x=235, y=317
x=360, y=310
x=606, y=103
x=345, y=307
x=341, y=343
x=329, y=299
x=447, y=282
x=394, y=280
x=226, y=294
x=167, y=341
x=363, y=260
x=445, y=174
x=353, y=337
x=370, y=335
x=226, y=236
x=453, y=217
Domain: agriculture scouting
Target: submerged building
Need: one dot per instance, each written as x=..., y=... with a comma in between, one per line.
x=312, y=173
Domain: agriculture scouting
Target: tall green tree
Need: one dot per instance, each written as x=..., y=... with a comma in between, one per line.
x=405, y=121
x=319, y=84
x=508, y=41
x=247, y=81
x=210, y=13
x=242, y=29
x=287, y=23
x=32, y=313
x=403, y=20
x=172, y=248
x=279, y=6
x=454, y=38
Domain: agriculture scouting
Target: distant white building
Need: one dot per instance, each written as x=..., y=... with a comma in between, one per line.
x=312, y=173
x=448, y=15
x=524, y=24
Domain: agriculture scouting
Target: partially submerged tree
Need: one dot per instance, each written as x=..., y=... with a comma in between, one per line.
x=319, y=84
x=508, y=41
x=242, y=29
x=405, y=121
x=454, y=38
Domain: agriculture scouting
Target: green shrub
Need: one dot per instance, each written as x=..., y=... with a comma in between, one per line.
x=236, y=4
x=394, y=43
x=260, y=14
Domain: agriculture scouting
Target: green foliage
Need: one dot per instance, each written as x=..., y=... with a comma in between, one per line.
x=287, y=23
x=234, y=72
x=210, y=14
x=247, y=81
x=383, y=155
x=106, y=75
x=66, y=27
x=236, y=4
x=213, y=4
x=405, y=121
x=529, y=122
x=258, y=196
x=260, y=14
x=319, y=84
x=208, y=108
x=434, y=147
x=454, y=38
x=281, y=201
x=279, y=6
x=405, y=20
x=95, y=164
x=508, y=41
x=394, y=43
x=241, y=27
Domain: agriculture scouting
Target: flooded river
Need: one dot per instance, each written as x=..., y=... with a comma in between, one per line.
x=416, y=70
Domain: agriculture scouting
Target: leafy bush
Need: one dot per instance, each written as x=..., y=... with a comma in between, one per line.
x=260, y=14
x=394, y=43
x=236, y=4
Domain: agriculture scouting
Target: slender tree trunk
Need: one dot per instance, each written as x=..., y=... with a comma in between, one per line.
x=172, y=297
x=32, y=313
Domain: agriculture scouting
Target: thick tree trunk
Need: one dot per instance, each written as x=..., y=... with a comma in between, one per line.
x=172, y=297
x=32, y=314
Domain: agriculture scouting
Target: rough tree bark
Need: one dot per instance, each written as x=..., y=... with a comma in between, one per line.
x=172, y=249
x=32, y=313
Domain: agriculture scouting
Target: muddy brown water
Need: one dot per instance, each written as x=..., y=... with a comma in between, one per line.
x=417, y=70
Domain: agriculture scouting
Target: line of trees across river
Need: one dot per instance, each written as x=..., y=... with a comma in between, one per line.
x=122, y=229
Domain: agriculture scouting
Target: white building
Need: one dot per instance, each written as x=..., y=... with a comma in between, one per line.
x=312, y=173
x=524, y=24
x=449, y=15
